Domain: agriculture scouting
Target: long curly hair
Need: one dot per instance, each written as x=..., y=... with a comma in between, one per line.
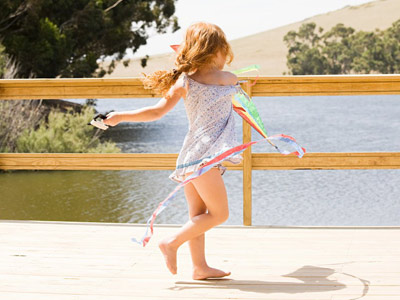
x=201, y=44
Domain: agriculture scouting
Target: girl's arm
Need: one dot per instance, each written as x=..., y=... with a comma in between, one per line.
x=149, y=113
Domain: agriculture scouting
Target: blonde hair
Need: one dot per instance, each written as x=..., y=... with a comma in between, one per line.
x=201, y=44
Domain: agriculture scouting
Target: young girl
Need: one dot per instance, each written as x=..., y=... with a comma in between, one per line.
x=207, y=93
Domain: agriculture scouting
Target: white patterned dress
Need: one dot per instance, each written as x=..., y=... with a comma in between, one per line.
x=211, y=126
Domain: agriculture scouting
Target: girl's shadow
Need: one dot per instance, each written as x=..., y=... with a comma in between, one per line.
x=310, y=283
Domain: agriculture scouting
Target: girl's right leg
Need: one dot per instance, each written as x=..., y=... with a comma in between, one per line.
x=196, y=206
x=211, y=188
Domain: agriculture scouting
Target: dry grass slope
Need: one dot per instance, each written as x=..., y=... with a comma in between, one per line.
x=268, y=49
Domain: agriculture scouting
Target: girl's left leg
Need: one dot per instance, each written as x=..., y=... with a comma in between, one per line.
x=211, y=189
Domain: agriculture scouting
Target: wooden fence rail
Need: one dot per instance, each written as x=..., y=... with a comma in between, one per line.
x=166, y=161
x=266, y=86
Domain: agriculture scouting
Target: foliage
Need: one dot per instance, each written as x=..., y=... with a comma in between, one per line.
x=66, y=38
x=65, y=133
x=342, y=50
x=16, y=116
x=3, y=60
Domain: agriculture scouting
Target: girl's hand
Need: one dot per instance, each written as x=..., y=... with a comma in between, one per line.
x=113, y=119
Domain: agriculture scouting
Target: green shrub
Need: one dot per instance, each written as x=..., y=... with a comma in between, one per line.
x=16, y=116
x=65, y=133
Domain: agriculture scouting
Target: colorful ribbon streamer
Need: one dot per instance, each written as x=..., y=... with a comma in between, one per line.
x=249, y=69
x=210, y=164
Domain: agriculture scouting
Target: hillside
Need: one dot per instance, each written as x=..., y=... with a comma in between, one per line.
x=268, y=49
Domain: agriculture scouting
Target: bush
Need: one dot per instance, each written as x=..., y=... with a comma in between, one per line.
x=16, y=116
x=65, y=133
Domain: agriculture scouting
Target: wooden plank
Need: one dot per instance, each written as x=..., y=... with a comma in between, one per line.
x=85, y=161
x=72, y=81
x=76, y=92
x=92, y=161
x=327, y=85
x=327, y=161
x=167, y=161
x=247, y=167
x=73, y=88
x=133, y=87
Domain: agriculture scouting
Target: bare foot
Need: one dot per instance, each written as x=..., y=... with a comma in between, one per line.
x=205, y=273
x=169, y=255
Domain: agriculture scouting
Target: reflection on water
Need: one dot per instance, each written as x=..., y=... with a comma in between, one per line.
x=321, y=197
x=102, y=196
x=97, y=196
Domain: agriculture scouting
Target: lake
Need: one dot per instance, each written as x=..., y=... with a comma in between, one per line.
x=294, y=197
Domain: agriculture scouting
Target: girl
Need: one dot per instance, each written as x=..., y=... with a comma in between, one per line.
x=207, y=93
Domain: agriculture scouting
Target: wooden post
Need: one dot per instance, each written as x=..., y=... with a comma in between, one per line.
x=247, y=202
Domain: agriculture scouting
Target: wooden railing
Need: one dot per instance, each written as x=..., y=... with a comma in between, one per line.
x=265, y=86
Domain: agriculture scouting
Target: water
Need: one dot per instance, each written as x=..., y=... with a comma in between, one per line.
x=297, y=197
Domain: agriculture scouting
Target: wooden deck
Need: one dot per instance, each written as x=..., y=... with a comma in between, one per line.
x=62, y=260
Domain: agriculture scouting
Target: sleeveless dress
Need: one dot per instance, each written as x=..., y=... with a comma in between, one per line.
x=211, y=126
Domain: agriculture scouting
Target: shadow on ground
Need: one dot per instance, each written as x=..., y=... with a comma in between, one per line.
x=310, y=283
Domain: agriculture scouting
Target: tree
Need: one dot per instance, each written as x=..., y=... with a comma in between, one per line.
x=66, y=38
x=391, y=50
x=342, y=50
x=305, y=51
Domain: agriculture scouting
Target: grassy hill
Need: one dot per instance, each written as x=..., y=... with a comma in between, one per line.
x=268, y=49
